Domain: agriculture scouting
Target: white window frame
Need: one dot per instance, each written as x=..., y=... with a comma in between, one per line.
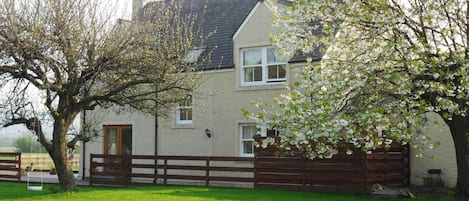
x=242, y=140
x=179, y=107
x=259, y=130
x=265, y=70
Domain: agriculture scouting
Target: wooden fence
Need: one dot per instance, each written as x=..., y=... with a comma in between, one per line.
x=341, y=173
x=42, y=161
x=141, y=169
x=10, y=166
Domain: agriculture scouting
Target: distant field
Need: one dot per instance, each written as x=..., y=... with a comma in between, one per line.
x=40, y=161
x=7, y=149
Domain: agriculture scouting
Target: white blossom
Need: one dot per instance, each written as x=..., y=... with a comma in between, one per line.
x=372, y=85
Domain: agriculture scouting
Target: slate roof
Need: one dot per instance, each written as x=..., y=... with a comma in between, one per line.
x=285, y=2
x=222, y=18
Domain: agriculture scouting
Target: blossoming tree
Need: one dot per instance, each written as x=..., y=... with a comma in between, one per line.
x=385, y=64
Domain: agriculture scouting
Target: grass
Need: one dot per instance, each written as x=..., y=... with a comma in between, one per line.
x=18, y=192
x=7, y=149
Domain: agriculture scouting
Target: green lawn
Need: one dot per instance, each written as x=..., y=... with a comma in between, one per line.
x=18, y=192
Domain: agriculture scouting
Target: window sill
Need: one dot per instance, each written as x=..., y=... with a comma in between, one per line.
x=280, y=85
x=183, y=126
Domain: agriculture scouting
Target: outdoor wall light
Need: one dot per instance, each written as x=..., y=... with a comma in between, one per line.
x=208, y=132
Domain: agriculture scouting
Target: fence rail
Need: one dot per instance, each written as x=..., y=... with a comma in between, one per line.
x=10, y=166
x=342, y=173
x=318, y=174
x=133, y=170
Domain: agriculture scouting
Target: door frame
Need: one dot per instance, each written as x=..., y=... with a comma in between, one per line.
x=119, y=128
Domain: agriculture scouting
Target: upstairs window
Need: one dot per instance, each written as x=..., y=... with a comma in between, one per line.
x=262, y=66
x=184, y=111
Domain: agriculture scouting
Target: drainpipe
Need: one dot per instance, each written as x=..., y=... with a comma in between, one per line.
x=156, y=135
x=156, y=146
x=83, y=150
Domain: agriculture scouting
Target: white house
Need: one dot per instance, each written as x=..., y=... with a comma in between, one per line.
x=244, y=66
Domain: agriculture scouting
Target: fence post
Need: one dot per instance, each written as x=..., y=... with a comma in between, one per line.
x=364, y=171
x=207, y=171
x=255, y=170
x=155, y=179
x=18, y=158
x=91, y=170
x=127, y=165
x=303, y=179
x=165, y=171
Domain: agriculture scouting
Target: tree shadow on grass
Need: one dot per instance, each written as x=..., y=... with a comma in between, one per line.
x=14, y=190
x=233, y=194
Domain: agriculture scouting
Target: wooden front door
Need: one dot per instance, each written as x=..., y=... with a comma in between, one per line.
x=117, y=141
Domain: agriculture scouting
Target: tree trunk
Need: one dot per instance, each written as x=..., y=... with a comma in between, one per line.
x=459, y=127
x=64, y=171
x=59, y=156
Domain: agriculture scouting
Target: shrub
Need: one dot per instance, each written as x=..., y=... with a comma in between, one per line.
x=27, y=144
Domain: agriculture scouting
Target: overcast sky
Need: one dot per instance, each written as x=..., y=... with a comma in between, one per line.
x=124, y=9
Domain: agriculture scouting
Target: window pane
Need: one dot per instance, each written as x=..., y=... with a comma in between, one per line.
x=252, y=57
x=182, y=114
x=185, y=114
x=112, y=141
x=276, y=71
x=272, y=133
x=253, y=74
x=189, y=114
x=248, y=147
x=187, y=101
x=248, y=132
x=258, y=74
x=273, y=74
x=282, y=71
x=248, y=74
x=273, y=56
x=184, y=110
x=126, y=141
